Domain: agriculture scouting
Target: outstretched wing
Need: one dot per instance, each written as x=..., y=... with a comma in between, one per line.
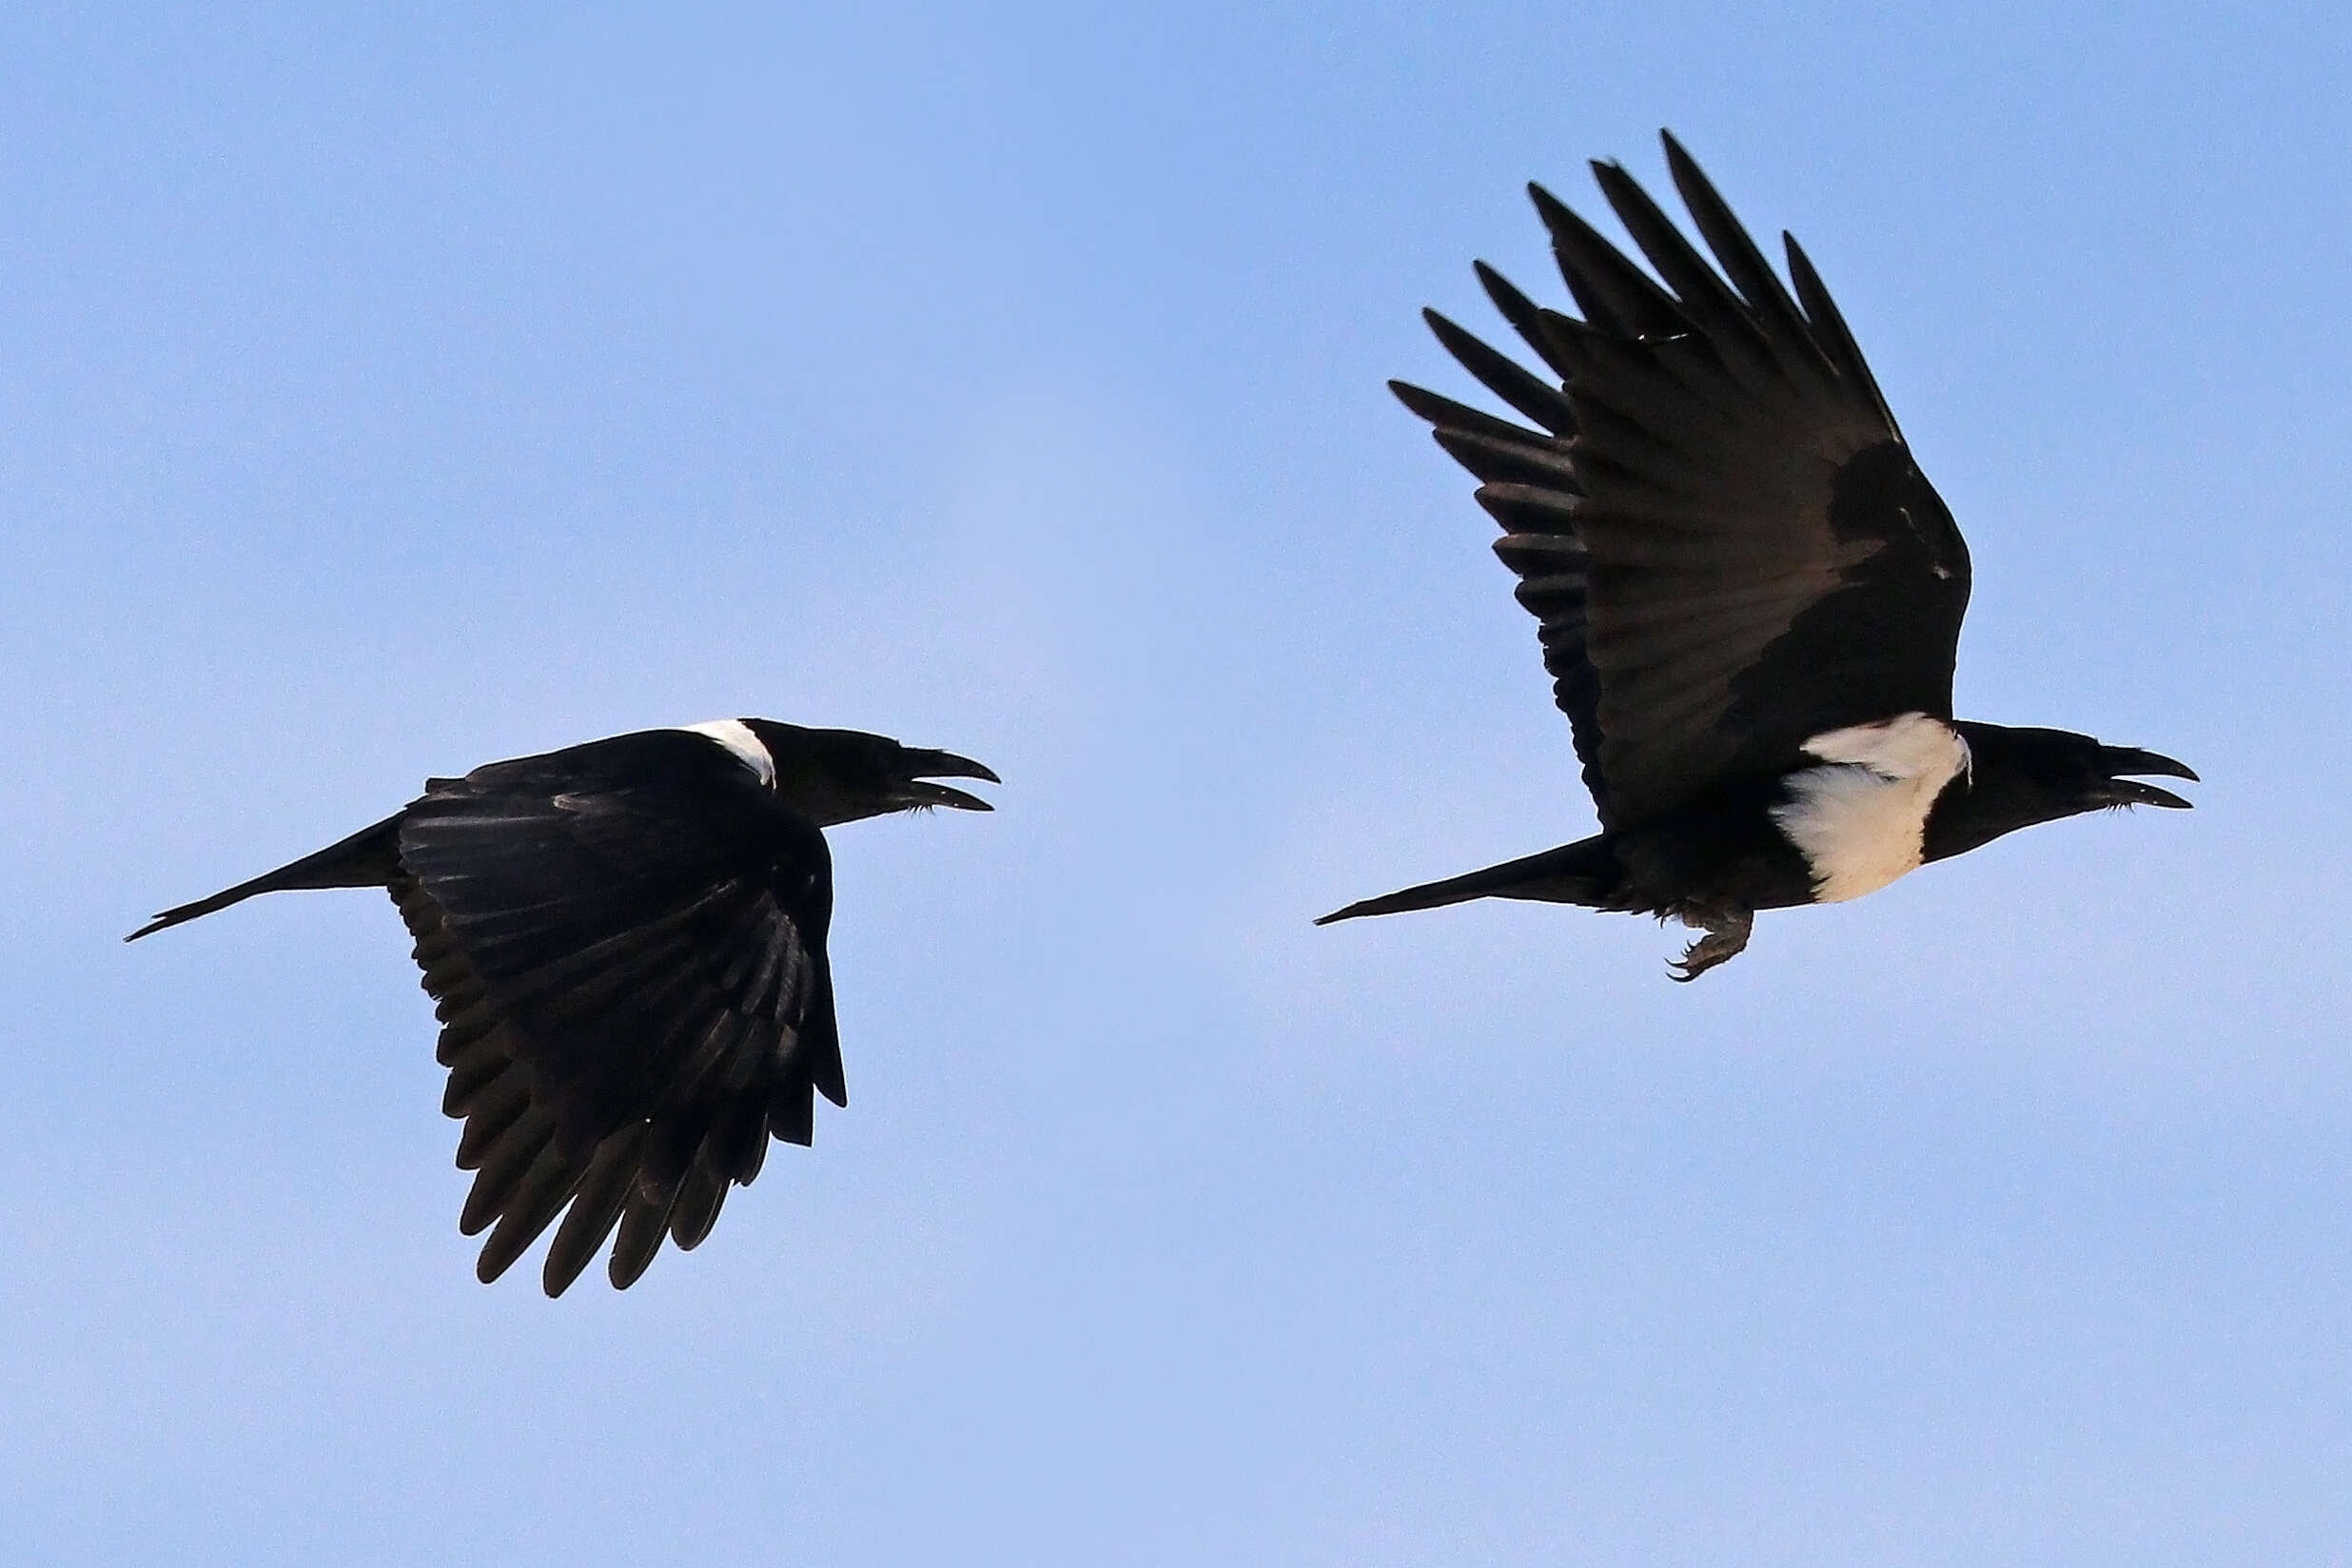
x=1717, y=522
x=627, y=942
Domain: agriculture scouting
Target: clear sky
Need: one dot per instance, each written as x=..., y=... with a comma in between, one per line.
x=388, y=389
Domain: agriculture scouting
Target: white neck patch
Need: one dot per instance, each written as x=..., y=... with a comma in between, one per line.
x=738, y=738
x=1860, y=819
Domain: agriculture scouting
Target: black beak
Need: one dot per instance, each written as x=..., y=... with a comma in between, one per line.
x=922, y=766
x=2122, y=791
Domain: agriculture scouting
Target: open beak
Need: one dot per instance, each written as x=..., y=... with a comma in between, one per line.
x=2123, y=791
x=923, y=766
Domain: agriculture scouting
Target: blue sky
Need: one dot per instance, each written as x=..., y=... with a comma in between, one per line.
x=387, y=390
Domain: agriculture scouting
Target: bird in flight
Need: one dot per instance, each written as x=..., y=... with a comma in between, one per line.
x=626, y=944
x=1749, y=596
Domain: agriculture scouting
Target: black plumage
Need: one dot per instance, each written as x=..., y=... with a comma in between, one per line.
x=1749, y=596
x=625, y=945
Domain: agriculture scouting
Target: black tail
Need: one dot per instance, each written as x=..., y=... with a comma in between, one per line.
x=369, y=858
x=1583, y=872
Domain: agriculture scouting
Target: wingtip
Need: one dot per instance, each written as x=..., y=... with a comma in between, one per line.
x=1419, y=401
x=624, y=1271
x=1612, y=177
x=1680, y=166
x=1504, y=295
x=1501, y=290
x=1801, y=270
x=560, y=1270
x=1447, y=330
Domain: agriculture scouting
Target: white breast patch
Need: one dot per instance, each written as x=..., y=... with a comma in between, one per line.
x=738, y=738
x=1859, y=819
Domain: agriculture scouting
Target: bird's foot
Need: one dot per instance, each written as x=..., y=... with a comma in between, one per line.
x=1727, y=934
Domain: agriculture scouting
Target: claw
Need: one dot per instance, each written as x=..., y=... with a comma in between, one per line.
x=1727, y=934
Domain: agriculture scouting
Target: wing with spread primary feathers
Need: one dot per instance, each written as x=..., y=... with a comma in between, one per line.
x=632, y=983
x=1716, y=521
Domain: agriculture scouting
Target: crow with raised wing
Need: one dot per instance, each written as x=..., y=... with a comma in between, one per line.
x=1749, y=596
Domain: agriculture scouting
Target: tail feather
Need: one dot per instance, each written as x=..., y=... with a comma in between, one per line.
x=369, y=858
x=1583, y=872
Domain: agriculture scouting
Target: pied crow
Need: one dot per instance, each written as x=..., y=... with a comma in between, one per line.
x=626, y=941
x=1749, y=596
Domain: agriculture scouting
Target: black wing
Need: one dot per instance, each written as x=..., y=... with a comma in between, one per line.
x=627, y=942
x=1719, y=523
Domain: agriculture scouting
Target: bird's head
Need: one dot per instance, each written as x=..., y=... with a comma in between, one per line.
x=840, y=775
x=2020, y=777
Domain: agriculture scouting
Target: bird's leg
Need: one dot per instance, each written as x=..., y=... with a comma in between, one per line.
x=1727, y=933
